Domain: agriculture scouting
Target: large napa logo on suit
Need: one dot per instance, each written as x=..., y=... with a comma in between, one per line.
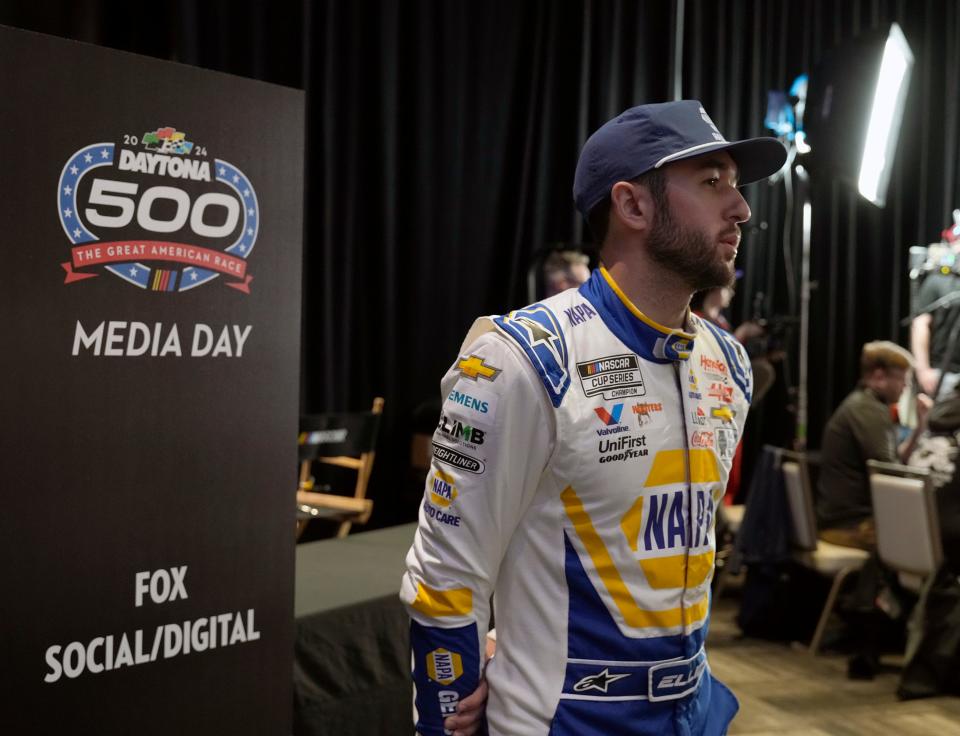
x=155, y=210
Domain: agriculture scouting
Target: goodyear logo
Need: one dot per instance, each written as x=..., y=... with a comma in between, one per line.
x=444, y=666
x=475, y=367
x=444, y=492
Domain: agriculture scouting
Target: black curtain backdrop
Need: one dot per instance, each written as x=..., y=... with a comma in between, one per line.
x=442, y=137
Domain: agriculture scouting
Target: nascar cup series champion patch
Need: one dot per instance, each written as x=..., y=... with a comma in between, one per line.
x=156, y=211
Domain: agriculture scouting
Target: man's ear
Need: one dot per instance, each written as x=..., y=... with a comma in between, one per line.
x=632, y=205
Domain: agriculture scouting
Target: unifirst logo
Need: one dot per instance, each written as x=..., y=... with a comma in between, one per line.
x=444, y=666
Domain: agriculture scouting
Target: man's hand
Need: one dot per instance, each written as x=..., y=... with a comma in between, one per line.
x=748, y=331
x=470, y=711
x=927, y=378
x=924, y=405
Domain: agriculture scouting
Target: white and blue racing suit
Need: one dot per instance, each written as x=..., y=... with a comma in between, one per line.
x=578, y=461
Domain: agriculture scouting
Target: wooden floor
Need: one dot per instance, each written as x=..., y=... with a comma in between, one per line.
x=785, y=691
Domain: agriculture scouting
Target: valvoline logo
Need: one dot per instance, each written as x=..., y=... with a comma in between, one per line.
x=155, y=210
x=610, y=417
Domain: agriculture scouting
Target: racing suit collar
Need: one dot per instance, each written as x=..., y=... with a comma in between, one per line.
x=647, y=338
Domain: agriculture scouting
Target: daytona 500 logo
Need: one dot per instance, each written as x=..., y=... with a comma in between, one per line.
x=156, y=211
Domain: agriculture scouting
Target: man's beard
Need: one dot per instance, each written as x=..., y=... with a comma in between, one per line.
x=687, y=253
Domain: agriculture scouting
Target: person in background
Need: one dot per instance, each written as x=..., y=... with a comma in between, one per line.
x=862, y=429
x=711, y=304
x=565, y=269
x=577, y=464
x=934, y=665
x=937, y=450
x=930, y=331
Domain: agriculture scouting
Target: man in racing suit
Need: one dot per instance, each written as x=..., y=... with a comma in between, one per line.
x=582, y=447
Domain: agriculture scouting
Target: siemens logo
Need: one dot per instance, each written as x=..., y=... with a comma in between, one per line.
x=469, y=401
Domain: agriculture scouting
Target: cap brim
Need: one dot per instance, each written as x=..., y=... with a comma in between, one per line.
x=756, y=158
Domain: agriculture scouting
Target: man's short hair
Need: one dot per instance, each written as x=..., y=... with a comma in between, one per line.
x=883, y=354
x=599, y=220
x=564, y=260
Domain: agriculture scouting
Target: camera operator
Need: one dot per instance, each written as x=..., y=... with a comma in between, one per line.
x=930, y=331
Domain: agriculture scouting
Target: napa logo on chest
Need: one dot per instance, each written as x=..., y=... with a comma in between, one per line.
x=157, y=211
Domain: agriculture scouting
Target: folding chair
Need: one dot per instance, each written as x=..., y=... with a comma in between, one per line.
x=907, y=522
x=342, y=440
x=830, y=560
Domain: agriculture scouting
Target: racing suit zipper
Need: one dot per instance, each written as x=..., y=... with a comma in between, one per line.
x=688, y=475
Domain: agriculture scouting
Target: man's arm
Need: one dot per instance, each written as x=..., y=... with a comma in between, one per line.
x=491, y=445
x=920, y=347
x=906, y=448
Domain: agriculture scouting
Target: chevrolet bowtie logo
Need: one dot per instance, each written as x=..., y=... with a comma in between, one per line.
x=599, y=681
x=722, y=412
x=475, y=366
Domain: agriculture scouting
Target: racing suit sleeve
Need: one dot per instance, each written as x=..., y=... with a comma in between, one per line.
x=492, y=442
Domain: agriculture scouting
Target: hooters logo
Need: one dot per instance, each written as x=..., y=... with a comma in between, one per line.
x=155, y=210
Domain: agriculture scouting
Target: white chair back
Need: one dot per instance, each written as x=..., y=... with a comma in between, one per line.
x=905, y=514
x=803, y=523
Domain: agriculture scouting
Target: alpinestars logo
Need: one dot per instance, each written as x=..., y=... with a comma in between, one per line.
x=600, y=681
x=158, y=212
x=611, y=419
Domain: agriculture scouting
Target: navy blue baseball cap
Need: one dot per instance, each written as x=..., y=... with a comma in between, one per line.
x=648, y=136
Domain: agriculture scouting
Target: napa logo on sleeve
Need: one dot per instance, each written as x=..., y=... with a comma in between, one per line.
x=444, y=666
x=157, y=211
x=444, y=492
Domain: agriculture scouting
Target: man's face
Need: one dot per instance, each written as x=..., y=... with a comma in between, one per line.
x=696, y=230
x=892, y=383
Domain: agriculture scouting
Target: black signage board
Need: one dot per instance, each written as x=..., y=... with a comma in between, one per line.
x=150, y=251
